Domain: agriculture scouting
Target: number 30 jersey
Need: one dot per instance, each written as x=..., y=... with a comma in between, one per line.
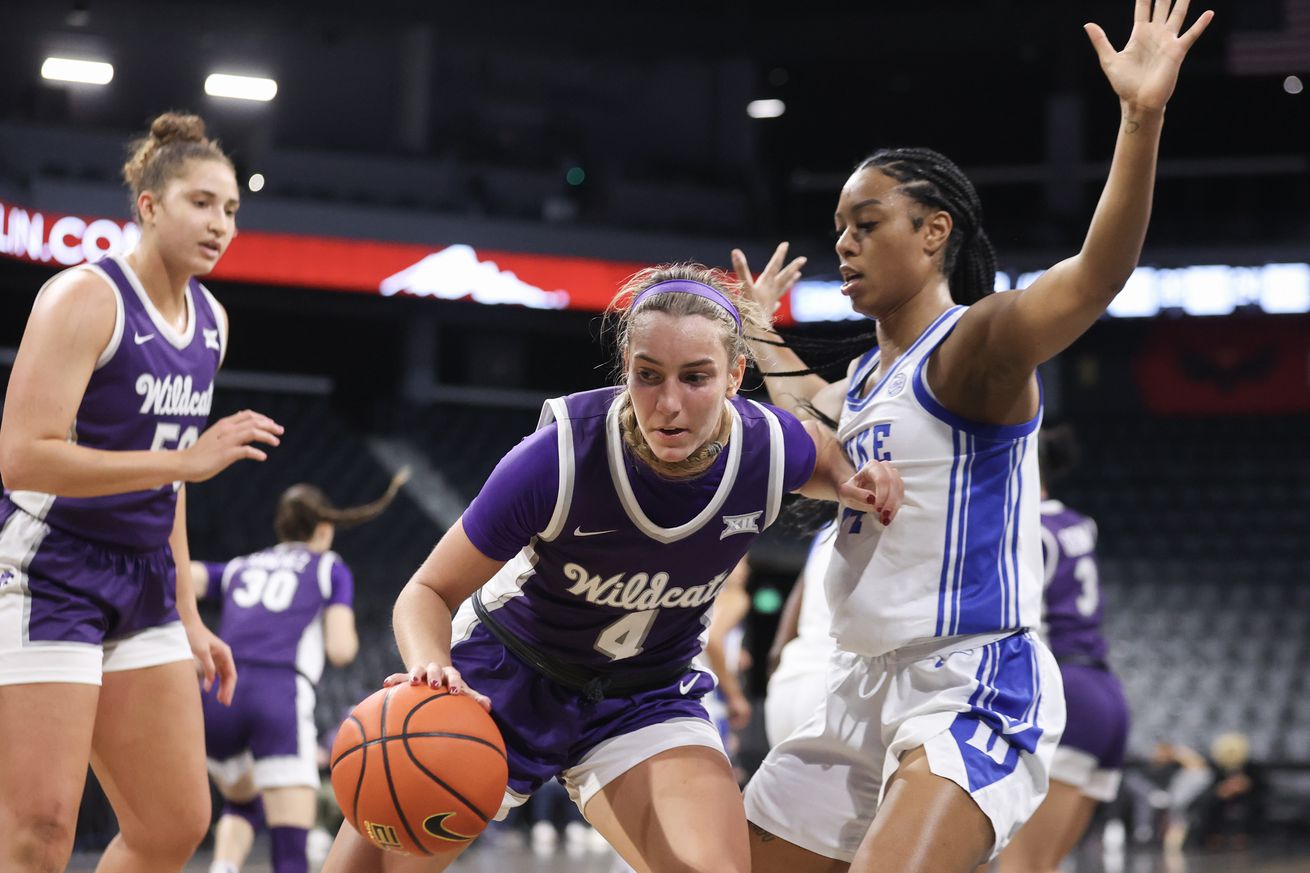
x=273, y=604
x=151, y=389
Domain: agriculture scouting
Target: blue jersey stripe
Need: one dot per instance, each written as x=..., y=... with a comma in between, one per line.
x=962, y=541
x=943, y=593
x=984, y=580
x=1014, y=535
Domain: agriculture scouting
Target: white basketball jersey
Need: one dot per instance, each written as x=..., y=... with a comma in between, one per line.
x=963, y=555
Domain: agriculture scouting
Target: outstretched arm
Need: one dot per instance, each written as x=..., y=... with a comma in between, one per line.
x=1010, y=334
x=792, y=393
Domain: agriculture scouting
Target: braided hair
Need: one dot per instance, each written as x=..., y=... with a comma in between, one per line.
x=969, y=262
x=933, y=180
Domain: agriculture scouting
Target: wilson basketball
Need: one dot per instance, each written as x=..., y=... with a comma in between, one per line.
x=417, y=770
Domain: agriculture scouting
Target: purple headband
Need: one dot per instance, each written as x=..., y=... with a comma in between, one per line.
x=690, y=286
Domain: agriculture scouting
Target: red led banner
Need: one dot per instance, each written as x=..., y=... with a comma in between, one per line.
x=452, y=272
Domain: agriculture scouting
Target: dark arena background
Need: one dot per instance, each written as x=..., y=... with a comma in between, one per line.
x=440, y=198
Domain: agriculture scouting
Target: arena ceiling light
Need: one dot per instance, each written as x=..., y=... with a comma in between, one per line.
x=765, y=108
x=72, y=70
x=240, y=87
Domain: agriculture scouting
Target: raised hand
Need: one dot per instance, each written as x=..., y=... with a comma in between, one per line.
x=1145, y=72
x=229, y=440
x=774, y=280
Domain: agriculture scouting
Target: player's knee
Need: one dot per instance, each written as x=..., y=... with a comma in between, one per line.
x=172, y=842
x=42, y=841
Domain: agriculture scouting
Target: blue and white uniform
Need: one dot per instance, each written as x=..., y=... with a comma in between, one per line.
x=931, y=617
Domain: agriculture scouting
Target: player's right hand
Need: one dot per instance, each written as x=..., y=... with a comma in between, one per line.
x=435, y=676
x=775, y=280
x=227, y=441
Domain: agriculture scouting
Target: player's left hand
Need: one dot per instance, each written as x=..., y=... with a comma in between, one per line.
x=215, y=660
x=877, y=488
x=1145, y=72
x=435, y=676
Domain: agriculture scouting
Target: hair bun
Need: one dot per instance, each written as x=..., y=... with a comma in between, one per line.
x=175, y=127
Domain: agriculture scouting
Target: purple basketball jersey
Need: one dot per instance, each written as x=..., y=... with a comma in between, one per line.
x=624, y=565
x=1073, y=607
x=151, y=389
x=273, y=604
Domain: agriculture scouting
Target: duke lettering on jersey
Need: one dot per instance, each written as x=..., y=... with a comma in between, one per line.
x=150, y=394
x=638, y=594
x=963, y=555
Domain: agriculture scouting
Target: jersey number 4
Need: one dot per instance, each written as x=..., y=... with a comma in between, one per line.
x=624, y=638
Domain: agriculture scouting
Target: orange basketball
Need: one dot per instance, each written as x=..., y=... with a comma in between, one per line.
x=419, y=771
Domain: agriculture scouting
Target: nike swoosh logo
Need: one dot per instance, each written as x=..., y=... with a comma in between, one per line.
x=579, y=532
x=143, y=339
x=686, y=686
x=436, y=825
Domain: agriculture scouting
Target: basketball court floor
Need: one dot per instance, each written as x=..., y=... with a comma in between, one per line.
x=511, y=855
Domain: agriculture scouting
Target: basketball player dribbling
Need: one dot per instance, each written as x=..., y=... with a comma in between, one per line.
x=110, y=393
x=573, y=592
x=285, y=609
x=944, y=710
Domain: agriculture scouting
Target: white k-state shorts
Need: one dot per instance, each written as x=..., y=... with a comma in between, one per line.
x=988, y=710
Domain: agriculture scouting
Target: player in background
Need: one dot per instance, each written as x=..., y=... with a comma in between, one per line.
x=573, y=592
x=945, y=706
x=283, y=610
x=1088, y=764
x=103, y=424
x=802, y=645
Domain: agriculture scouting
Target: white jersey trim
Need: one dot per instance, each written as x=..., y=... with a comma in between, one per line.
x=116, y=337
x=777, y=464
x=166, y=330
x=325, y=563
x=557, y=410
x=220, y=319
x=619, y=474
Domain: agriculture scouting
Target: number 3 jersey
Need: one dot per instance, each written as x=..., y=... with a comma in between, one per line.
x=273, y=603
x=609, y=566
x=151, y=389
x=1072, y=617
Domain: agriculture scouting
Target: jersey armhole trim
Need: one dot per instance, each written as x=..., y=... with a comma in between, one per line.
x=220, y=319
x=978, y=429
x=777, y=463
x=119, y=318
x=556, y=410
x=325, y=563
